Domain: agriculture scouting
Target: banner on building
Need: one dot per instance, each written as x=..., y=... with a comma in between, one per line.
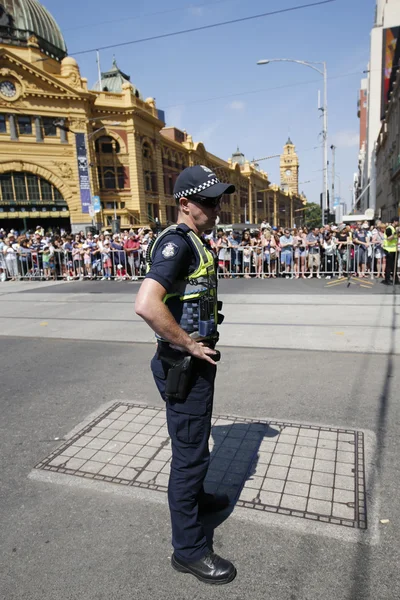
x=390, y=63
x=96, y=203
x=83, y=169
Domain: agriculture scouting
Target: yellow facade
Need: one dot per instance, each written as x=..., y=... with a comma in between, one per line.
x=134, y=159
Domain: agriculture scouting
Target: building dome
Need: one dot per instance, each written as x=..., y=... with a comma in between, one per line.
x=22, y=19
x=115, y=81
x=68, y=61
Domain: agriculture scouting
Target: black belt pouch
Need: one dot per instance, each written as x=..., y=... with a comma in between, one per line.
x=179, y=378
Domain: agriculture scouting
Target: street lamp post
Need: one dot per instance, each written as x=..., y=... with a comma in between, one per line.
x=324, y=110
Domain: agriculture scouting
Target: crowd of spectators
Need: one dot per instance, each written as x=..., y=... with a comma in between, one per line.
x=263, y=252
x=328, y=251
x=60, y=255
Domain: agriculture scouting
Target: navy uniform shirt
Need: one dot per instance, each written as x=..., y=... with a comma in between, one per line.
x=172, y=260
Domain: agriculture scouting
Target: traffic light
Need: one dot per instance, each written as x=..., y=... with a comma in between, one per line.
x=328, y=216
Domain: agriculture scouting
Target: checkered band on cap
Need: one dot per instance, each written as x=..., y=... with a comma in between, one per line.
x=197, y=190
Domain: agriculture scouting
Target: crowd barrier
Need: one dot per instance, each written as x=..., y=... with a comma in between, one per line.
x=244, y=262
x=63, y=264
x=263, y=263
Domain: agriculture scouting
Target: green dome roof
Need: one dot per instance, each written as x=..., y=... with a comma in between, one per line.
x=20, y=19
x=113, y=80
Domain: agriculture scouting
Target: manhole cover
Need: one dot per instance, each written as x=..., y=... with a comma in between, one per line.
x=304, y=471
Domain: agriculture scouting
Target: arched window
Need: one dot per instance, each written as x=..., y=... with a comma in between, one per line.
x=149, y=169
x=111, y=177
x=107, y=145
x=24, y=188
x=110, y=171
x=147, y=153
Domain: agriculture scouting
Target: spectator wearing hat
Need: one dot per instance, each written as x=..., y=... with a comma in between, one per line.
x=10, y=248
x=48, y=262
x=106, y=259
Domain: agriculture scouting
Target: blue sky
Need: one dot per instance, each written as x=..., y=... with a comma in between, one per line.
x=209, y=84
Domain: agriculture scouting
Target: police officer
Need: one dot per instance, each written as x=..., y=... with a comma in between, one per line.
x=178, y=299
x=390, y=247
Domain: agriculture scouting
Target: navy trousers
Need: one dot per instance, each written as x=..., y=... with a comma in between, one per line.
x=189, y=426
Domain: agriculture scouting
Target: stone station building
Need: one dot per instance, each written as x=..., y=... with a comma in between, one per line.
x=61, y=144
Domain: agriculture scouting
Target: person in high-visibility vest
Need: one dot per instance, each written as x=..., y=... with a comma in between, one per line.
x=389, y=245
x=178, y=299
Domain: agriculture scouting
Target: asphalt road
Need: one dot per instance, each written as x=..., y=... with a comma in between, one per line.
x=62, y=542
x=352, y=286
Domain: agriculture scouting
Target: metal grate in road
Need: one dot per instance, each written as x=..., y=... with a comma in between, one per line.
x=315, y=473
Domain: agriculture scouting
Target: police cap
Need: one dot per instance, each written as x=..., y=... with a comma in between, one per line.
x=200, y=181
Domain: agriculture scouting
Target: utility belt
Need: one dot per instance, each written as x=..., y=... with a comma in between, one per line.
x=180, y=369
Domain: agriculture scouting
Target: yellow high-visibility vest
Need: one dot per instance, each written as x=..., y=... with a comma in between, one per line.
x=390, y=245
x=197, y=292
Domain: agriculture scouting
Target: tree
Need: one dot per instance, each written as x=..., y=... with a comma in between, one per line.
x=313, y=215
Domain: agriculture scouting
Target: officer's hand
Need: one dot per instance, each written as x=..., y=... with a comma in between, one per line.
x=203, y=352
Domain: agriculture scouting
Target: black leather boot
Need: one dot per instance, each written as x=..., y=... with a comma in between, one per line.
x=209, y=569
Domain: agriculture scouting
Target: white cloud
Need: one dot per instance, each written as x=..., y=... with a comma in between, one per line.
x=237, y=105
x=346, y=139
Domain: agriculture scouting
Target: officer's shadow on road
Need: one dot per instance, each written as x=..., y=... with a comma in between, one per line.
x=234, y=461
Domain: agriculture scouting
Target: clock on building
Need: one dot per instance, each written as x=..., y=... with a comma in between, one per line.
x=288, y=172
x=8, y=89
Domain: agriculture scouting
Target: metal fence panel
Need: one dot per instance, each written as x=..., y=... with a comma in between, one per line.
x=247, y=262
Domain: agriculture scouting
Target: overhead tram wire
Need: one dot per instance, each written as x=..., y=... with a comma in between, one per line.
x=269, y=89
x=204, y=27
